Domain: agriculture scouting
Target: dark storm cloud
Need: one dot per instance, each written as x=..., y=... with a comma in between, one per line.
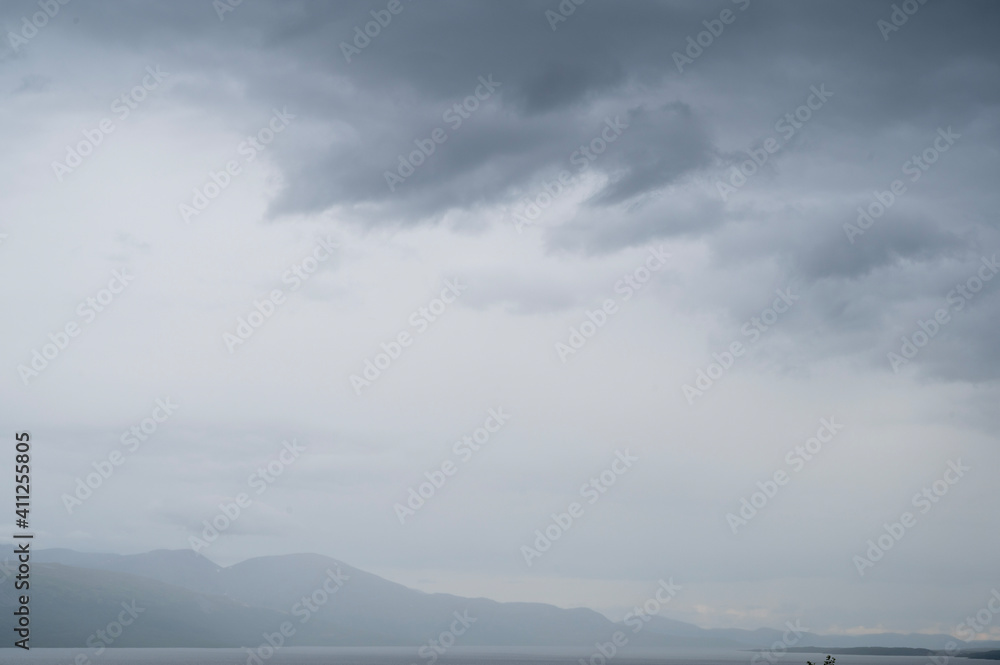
x=553, y=82
x=556, y=89
x=811, y=244
x=642, y=222
x=660, y=146
x=914, y=239
x=561, y=84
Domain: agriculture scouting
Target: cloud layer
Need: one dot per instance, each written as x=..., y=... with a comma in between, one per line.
x=800, y=148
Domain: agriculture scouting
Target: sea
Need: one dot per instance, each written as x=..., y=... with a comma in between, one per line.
x=455, y=656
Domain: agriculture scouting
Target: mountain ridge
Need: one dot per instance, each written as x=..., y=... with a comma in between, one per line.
x=330, y=603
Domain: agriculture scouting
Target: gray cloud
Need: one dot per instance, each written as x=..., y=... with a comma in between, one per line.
x=656, y=183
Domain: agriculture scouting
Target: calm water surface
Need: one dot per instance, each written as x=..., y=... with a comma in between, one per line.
x=408, y=656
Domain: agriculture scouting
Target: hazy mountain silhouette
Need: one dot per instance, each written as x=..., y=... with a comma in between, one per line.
x=190, y=601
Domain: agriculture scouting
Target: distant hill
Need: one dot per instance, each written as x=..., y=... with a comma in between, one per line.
x=763, y=638
x=69, y=604
x=864, y=651
x=190, y=601
x=985, y=655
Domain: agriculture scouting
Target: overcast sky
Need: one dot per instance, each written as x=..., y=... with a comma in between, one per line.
x=597, y=161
